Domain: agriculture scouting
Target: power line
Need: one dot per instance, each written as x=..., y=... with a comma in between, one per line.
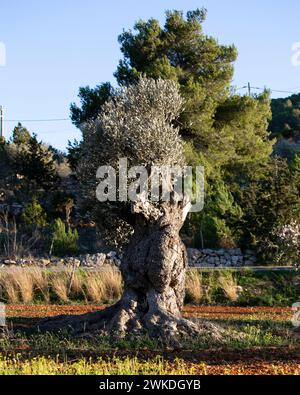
x=249, y=87
x=275, y=90
x=38, y=120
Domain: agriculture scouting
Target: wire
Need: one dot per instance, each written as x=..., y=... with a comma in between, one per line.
x=69, y=120
x=274, y=90
x=37, y=120
x=258, y=88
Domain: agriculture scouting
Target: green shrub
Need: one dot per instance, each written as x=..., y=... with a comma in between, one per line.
x=34, y=214
x=64, y=241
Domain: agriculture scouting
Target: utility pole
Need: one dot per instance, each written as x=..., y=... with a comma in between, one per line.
x=249, y=89
x=1, y=122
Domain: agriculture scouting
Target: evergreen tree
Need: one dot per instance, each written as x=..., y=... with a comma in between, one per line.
x=20, y=135
x=74, y=154
x=270, y=204
x=35, y=164
x=34, y=214
x=64, y=241
x=6, y=169
x=91, y=102
x=181, y=52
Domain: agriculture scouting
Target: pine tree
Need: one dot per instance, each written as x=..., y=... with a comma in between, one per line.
x=20, y=135
x=35, y=164
x=34, y=214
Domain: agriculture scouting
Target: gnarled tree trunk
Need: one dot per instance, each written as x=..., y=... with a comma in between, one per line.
x=153, y=269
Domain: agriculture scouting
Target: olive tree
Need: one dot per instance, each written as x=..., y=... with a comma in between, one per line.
x=137, y=123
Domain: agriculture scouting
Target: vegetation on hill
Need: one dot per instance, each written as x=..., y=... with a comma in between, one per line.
x=285, y=120
x=33, y=194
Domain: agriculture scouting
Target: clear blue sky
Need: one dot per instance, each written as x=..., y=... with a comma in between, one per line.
x=53, y=47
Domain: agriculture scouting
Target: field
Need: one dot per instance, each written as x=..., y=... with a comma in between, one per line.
x=259, y=340
x=254, y=308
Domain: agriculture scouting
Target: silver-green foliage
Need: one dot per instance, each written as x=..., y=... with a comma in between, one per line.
x=136, y=123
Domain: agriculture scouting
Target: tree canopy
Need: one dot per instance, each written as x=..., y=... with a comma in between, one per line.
x=225, y=132
x=136, y=123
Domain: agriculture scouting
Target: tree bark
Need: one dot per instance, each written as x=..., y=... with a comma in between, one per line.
x=153, y=270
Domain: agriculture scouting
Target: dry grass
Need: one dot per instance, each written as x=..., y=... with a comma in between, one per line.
x=8, y=288
x=60, y=285
x=26, y=284
x=17, y=283
x=22, y=284
x=193, y=286
x=40, y=282
x=77, y=285
x=229, y=286
x=104, y=285
x=94, y=288
x=112, y=282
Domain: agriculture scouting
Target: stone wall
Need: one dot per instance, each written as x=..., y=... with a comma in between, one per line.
x=221, y=257
x=85, y=260
x=197, y=258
